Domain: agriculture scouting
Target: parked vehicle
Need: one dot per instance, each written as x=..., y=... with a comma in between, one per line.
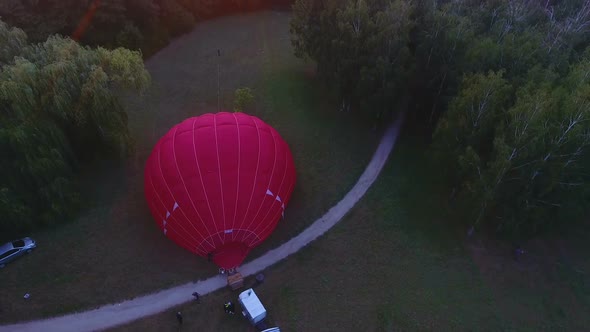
x=254, y=311
x=14, y=249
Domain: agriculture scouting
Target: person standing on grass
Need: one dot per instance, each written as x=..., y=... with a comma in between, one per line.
x=179, y=318
x=232, y=309
x=229, y=308
x=226, y=307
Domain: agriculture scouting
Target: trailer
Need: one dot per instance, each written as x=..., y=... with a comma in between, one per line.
x=254, y=311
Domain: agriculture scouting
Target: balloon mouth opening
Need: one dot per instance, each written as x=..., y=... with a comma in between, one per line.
x=230, y=255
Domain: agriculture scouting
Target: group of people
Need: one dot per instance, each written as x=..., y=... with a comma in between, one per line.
x=228, y=307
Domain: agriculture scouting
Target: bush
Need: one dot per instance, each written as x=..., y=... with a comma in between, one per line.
x=243, y=98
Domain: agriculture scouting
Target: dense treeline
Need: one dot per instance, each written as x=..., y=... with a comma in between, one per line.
x=58, y=110
x=57, y=101
x=504, y=85
x=135, y=24
x=362, y=48
x=58, y=104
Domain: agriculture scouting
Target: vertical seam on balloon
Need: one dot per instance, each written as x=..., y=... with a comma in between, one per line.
x=273, y=203
x=278, y=192
x=202, y=183
x=238, y=177
x=165, y=208
x=219, y=172
x=255, y=173
x=269, y=179
x=184, y=185
x=169, y=191
x=286, y=199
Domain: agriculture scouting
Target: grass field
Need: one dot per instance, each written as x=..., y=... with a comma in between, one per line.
x=114, y=251
x=388, y=266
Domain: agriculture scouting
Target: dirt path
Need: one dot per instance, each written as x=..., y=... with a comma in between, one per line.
x=127, y=311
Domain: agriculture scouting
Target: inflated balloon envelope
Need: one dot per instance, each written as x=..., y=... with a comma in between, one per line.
x=218, y=184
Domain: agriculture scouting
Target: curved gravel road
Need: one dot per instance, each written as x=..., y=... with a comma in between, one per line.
x=116, y=314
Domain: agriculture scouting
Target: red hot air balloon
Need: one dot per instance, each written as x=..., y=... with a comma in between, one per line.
x=218, y=184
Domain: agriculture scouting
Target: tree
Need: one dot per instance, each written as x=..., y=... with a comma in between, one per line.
x=143, y=13
x=130, y=37
x=175, y=18
x=519, y=168
x=58, y=108
x=504, y=79
x=40, y=18
x=107, y=22
x=360, y=47
x=387, y=75
x=471, y=119
x=13, y=41
x=464, y=140
x=243, y=97
x=15, y=12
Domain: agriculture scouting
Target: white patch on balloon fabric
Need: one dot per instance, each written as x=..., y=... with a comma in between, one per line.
x=229, y=231
x=268, y=192
x=167, y=214
x=278, y=198
x=164, y=222
x=175, y=207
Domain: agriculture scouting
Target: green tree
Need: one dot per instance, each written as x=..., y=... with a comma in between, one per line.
x=471, y=119
x=41, y=18
x=175, y=17
x=130, y=37
x=387, y=75
x=15, y=12
x=108, y=20
x=519, y=168
x=243, y=98
x=464, y=140
x=13, y=41
x=58, y=107
x=360, y=47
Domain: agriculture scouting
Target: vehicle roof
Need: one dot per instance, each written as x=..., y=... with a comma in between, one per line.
x=5, y=247
x=251, y=303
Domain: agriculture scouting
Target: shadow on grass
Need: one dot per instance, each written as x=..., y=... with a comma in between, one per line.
x=415, y=184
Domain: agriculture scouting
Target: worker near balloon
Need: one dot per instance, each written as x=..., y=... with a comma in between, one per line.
x=218, y=184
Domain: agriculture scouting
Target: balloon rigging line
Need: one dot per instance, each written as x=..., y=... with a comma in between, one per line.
x=201, y=177
x=255, y=173
x=168, y=187
x=184, y=185
x=238, y=180
x=164, y=205
x=269, y=179
x=267, y=225
x=220, y=179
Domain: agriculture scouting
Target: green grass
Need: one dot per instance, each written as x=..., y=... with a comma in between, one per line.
x=114, y=251
x=382, y=269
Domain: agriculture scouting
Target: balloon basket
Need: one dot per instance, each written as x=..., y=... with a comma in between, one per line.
x=235, y=280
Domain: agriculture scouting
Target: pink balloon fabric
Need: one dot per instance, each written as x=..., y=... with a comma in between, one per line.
x=218, y=184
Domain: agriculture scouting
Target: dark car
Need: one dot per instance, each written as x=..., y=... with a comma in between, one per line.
x=11, y=250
